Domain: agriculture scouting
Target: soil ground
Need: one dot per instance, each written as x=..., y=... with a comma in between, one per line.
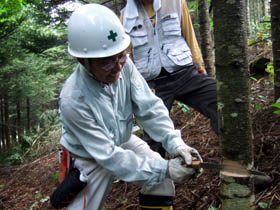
x=28, y=186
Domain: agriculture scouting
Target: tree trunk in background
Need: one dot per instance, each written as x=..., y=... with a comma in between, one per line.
x=6, y=122
x=19, y=127
x=259, y=6
x=2, y=123
x=233, y=88
x=13, y=129
x=205, y=34
x=263, y=8
x=275, y=30
x=28, y=115
x=248, y=19
x=252, y=11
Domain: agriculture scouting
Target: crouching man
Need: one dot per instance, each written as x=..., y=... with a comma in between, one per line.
x=97, y=104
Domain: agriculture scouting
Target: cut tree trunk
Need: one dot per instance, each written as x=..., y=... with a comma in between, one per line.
x=233, y=89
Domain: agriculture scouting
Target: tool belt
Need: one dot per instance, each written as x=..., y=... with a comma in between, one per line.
x=70, y=182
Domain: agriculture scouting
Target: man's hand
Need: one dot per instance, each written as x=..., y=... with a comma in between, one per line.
x=202, y=71
x=189, y=154
x=177, y=172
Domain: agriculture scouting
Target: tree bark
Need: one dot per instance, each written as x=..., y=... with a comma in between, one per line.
x=233, y=88
x=19, y=126
x=263, y=7
x=2, y=123
x=275, y=30
x=28, y=115
x=206, y=39
x=247, y=5
x=6, y=122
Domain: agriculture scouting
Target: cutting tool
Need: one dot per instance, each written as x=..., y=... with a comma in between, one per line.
x=229, y=167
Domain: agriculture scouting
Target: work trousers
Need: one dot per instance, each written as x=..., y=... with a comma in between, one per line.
x=190, y=87
x=100, y=179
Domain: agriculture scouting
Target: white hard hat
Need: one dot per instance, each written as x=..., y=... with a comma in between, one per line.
x=95, y=31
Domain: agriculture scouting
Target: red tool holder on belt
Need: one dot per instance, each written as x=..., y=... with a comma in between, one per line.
x=64, y=163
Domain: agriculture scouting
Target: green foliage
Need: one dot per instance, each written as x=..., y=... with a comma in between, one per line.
x=263, y=205
x=55, y=177
x=184, y=107
x=192, y=6
x=47, y=133
x=10, y=8
x=11, y=157
x=270, y=69
x=33, y=63
x=212, y=208
x=15, y=159
x=254, y=79
x=276, y=105
x=258, y=107
x=260, y=31
x=38, y=195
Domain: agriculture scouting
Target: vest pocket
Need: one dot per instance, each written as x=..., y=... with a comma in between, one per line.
x=138, y=37
x=171, y=25
x=178, y=55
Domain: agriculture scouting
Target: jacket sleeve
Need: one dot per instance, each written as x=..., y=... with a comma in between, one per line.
x=152, y=114
x=90, y=136
x=189, y=35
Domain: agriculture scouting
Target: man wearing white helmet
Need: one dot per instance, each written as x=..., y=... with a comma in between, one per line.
x=96, y=106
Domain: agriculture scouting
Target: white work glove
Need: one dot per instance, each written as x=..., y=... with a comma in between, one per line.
x=188, y=154
x=177, y=172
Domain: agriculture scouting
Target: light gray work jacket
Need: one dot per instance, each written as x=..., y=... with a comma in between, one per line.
x=97, y=119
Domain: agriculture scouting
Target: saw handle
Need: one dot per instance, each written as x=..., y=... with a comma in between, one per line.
x=195, y=164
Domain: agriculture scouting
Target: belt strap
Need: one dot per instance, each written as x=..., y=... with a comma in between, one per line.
x=165, y=74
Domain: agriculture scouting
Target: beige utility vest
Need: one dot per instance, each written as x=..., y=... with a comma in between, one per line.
x=161, y=45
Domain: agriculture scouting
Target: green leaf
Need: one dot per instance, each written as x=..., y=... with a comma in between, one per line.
x=43, y=200
x=276, y=112
x=263, y=205
x=33, y=205
x=1, y=186
x=117, y=180
x=258, y=107
x=184, y=107
x=253, y=78
x=277, y=105
x=262, y=98
x=212, y=208
x=37, y=194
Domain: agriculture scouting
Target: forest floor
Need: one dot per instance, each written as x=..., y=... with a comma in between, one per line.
x=29, y=186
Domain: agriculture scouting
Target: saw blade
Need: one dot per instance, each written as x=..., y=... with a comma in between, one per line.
x=230, y=167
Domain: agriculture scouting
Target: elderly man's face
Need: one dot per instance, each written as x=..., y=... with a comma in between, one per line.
x=107, y=70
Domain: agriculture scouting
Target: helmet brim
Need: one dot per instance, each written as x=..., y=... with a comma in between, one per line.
x=121, y=46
